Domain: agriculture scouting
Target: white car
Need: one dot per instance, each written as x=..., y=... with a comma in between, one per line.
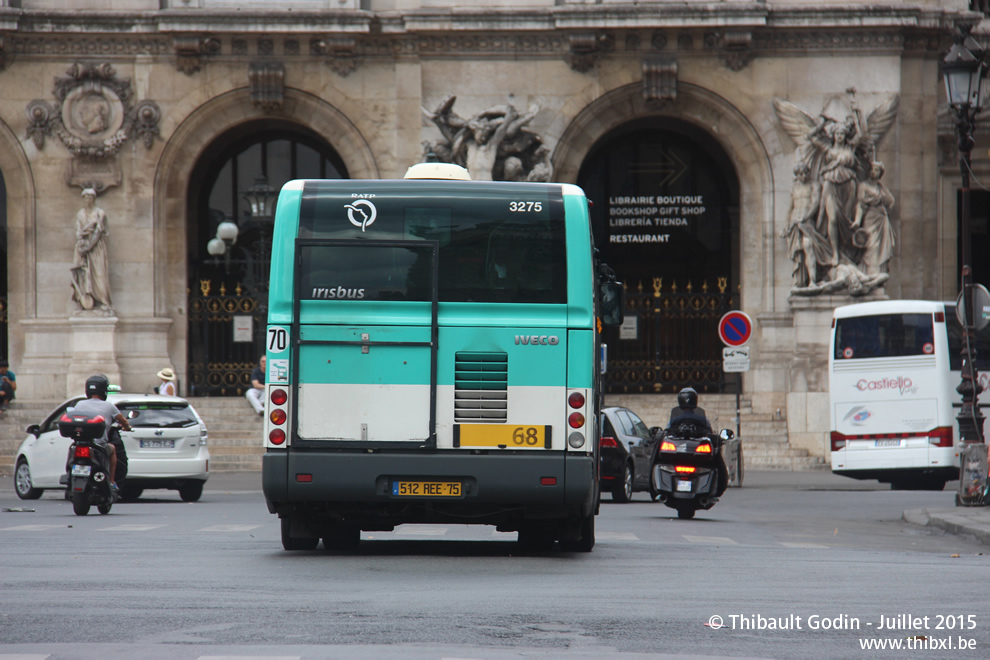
x=166, y=449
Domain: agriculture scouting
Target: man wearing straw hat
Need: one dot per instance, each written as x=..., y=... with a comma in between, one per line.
x=167, y=385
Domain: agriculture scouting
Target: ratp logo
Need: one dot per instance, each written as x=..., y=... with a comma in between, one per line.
x=361, y=213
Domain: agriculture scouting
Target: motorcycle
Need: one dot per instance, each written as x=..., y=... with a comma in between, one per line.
x=88, y=470
x=688, y=472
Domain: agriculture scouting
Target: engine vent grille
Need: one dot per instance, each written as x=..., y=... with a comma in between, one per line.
x=481, y=386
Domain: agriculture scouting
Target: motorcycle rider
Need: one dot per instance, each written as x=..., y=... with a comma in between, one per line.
x=96, y=404
x=687, y=414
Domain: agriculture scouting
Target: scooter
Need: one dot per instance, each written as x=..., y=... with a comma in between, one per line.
x=688, y=471
x=88, y=469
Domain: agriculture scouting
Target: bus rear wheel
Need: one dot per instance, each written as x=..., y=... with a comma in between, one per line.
x=290, y=542
x=586, y=528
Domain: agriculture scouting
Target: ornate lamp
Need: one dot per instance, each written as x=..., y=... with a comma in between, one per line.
x=963, y=69
x=261, y=197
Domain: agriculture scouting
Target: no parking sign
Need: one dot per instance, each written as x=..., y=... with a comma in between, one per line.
x=735, y=328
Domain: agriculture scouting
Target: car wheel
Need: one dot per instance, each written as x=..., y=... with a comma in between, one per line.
x=624, y=490
x=290, y=542
x=191, y=491
x=22, y=482
x=130, y=493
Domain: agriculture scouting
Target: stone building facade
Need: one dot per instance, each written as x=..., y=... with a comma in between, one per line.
x=171, y=109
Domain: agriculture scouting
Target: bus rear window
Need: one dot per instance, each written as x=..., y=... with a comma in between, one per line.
x=495, y=244
x=884, y=335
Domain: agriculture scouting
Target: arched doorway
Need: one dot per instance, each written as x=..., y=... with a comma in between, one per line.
x=665, y=216
x=228, y=279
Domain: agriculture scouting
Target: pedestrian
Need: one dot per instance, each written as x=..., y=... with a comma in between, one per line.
x=256, y=394
x=167, y=385
x=8, y=385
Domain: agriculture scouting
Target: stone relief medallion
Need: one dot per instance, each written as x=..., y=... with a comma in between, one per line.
x=93, y=116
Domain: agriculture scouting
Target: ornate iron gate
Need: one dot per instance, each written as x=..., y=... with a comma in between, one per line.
x=218, y=323
x=670, y=338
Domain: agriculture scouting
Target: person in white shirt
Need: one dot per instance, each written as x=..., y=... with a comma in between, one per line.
x=167, y=385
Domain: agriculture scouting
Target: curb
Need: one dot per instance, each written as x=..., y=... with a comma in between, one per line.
x=973, y=522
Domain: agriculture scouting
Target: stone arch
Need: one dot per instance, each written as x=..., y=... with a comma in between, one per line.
x=737, y=136
x=22, y=290
x=184, y=148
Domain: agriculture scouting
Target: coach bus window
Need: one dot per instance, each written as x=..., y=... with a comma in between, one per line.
x=884, y=335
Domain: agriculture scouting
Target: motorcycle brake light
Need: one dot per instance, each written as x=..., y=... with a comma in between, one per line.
x=82, y=452
x=668, y=446
x=704, y=449
x=609, y=442
x=684, y=469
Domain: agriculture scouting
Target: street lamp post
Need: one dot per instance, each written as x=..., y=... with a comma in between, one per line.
x=963, y=69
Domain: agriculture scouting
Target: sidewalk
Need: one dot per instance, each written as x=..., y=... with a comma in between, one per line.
x=969, y=520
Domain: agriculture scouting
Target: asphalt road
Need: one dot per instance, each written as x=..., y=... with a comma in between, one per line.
x=161, y=578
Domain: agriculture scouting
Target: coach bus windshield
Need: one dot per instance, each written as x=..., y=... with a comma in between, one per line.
x=506, y=245
x=884, y=335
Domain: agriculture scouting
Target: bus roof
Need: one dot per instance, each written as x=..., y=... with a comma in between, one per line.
x=889, y=307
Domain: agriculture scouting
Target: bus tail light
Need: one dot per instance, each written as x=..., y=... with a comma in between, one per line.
x=576, y=400
x=940, y=437
x=279, y=397
x=838, y=441
x=576, y=420
x=276, y=437
x=278, y=416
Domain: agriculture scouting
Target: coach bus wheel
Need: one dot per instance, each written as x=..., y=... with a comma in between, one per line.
x=292, y=543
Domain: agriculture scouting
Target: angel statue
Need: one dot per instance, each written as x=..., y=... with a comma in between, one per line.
x=839, y=157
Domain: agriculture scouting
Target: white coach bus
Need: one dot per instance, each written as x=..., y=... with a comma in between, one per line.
x=893, y=371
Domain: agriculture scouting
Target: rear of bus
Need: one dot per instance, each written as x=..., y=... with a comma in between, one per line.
x=431, y=359
x=891, y=394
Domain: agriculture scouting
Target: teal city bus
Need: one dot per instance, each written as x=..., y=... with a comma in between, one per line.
x=433, y=356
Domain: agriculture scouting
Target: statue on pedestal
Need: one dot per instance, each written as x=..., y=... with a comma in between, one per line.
x=91, y=266
x=839, y=236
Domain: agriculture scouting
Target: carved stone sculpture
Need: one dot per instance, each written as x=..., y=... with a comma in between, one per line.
x=91, y=267
x=839, y=234
x=493, y=144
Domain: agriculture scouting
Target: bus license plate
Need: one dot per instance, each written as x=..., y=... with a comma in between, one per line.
x=504, y=436
x=886, y=443
x=81, y=470
x=426, y=488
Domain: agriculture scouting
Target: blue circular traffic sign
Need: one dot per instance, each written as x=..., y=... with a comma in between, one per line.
x=735, y=328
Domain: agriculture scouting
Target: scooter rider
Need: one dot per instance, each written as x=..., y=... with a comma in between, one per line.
x=96, y=404
x=686, y=414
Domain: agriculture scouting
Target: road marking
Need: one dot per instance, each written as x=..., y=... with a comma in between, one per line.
x=802, y=544
x=242, y=657
x=616, y=536
x=130, y=528
x=23, y=656
x=229, y=528
x=32, y=528
x=711, y=540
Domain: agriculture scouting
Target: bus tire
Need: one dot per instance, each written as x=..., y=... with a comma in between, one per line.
x=290, y=542
x=587, y=540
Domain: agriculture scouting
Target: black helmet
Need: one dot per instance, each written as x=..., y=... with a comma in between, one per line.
x=98, y=385
x=687, y=398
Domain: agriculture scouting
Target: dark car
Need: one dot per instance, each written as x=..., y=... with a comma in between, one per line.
x=626, y=451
